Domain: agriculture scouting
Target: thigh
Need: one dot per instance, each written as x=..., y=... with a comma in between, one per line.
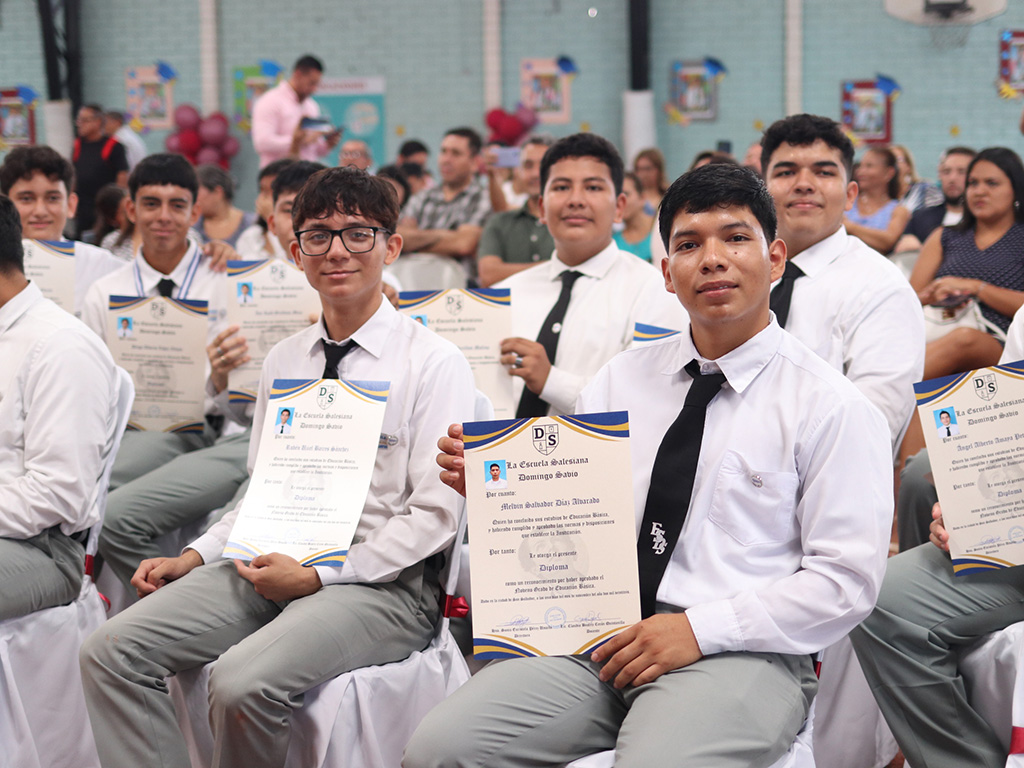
x=920, y=587
x=339, y=628
x=38, y=573
x=917, y=496
x=731, y=709
x=142, y=452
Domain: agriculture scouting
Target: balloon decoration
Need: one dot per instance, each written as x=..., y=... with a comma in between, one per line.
x=202, y=139
x=510, y=128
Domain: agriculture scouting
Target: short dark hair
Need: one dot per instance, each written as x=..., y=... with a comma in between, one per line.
x=94, y=107
x=1009, y=163
x=114, y=114
x=475, y=142
x=293, y=176
x=539, y=140
x=212, y=176
x=804, y=129
x=163, y=169
x=718, y=185
x=635, y=179
x=412, y=147
x=584, y=145
x=308, y=62
x=495, y=466
x=959, y=150
x=347, y=191
x=412, y=170
x=12, y=254
x=396, y=174
x=274, y=168
x=22, y=162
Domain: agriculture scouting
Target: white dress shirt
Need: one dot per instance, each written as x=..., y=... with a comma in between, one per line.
x=58, y=397
x=617, y=290
x=134, y=147
x=275, y=116
x=856, y=310
x=409, y=514
x=784, y=545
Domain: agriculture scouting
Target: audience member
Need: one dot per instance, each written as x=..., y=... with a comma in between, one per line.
x=953, y=180
x=39, y=182
x=712, y=157
x=737, y=606
x=58, y=402
x=752, y=158
x=275, y=627
x=98, y=160
x=219, y=219
x=418, y=177
x=516, y=240
x=413, y=151
x=607, y=291
x=506, y=189
x=356, y=153
x=447, y=220
x=877, y=217
x=134, y=146
x=277, y=115
x=398, y=181
x=110, y=212
x=649, y=166
x=636, y=235
x=258, y=242
x=914, y=193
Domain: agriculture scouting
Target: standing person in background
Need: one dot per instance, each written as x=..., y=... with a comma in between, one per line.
x=99, y=160
x=877, y=217
x=639, y=229
x=134, y=146
x=649, y=166
x=277, y=116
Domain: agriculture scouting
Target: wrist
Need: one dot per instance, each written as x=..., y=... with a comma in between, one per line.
x=977, y=290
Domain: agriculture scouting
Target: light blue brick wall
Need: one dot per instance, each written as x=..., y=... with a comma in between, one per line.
x=21, y=51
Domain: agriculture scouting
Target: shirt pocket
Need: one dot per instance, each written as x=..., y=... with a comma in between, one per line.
x=754, y=506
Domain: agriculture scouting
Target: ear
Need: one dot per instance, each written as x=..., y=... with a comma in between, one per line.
x=296, y=254
x=777, y=256
x=195, y=215
x=72, y=205
x=128, y=209
x=620, y=206
x=851, y=194
x=394, y=249
x=540, y=204
x=667, y=274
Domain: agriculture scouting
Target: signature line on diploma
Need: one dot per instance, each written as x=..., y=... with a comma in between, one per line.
x=516, y=621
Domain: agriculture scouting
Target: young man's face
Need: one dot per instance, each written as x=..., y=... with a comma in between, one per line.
x=163, y=214
x=457, y=161
x=343, y=278
x=579, y=206
x=529, y=167
x=721, y=267
x=944, y=418
x=811, y=192
x=953, y=175
x=495, y=473
x=285, y=415
x=280, y=221
x=44, y=206
x=305, y=82
x=265, y=198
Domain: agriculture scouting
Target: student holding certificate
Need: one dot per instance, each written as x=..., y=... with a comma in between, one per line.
x=781, y=551
x=278, y=628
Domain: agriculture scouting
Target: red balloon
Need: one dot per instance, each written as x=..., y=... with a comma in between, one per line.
x=173, y=142
x=208, y=155
x=213, y=132
x=219, y=117
x=187, y=117
x=189, y=142
x=230, y=147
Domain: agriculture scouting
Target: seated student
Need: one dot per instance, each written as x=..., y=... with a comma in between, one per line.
x=765, y=573
x=258, y=242
x=188, y=487
x=58, y=395
x=39, y=181
x=590, y=294
x=219, y=218
x=278, y=628
x=909, y=646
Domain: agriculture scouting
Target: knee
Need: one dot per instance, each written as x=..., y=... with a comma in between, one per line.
x=103, y=654
x=433, y=745
x=235, y=688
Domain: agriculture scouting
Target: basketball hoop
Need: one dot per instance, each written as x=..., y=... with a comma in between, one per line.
x=949, y=35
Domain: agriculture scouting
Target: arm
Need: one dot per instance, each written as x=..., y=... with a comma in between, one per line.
x=928, y=263
x=907, y=243
x=882, y=240
x=493, y=270
x=227, y=351
x=460, y=243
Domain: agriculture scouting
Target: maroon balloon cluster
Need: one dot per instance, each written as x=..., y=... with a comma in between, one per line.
x=202, y=139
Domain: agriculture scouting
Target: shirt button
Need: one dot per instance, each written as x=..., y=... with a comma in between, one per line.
x=556, y=328
x=756, y=481
x=536, y=257
x=533, y=238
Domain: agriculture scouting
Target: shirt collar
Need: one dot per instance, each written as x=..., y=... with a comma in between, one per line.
x=17, y=306
x=816, y=258
x=741, y=366
x=370, y=336
x=150, y=277
x=524, y=210
x=596, y=266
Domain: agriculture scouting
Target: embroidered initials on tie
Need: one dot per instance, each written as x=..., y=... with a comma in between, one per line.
x=672, y=478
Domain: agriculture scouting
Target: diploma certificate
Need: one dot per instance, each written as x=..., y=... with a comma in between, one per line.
x=317, y=450
x=50, y=264
x=974, y=430
x=269, y=300
x=552, y=534
x=162, y=344
x=476, y=321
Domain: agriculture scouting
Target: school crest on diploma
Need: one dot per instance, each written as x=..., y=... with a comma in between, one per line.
x=985, y=385
x=326, y=394
x=453, y=303
x=545, y=437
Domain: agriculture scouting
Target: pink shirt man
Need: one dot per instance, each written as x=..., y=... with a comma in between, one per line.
x=277, y=113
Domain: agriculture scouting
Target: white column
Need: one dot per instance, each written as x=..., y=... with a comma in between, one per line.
x=492, y=53
x=638, y=127
x=209, y=56
x=794, y=54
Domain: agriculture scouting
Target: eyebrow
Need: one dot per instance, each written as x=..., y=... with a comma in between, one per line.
x=155, y=199
x=587, y=180
x=789, y=165
x=731, y=226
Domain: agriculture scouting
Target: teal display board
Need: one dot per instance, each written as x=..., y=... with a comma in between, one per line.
x=357, y=103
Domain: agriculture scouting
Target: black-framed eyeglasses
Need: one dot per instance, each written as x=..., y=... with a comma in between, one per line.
x=317, y=242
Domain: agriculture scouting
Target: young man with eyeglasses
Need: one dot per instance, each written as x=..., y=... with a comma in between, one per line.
x=278, y=628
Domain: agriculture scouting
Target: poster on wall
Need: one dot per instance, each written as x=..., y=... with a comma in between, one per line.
x=867, y=111
x=17, y=117
x=250, y=84
x=1011, y=60
x=356, y=105
x=546, y=87
x=150, y=95
x=693, y=90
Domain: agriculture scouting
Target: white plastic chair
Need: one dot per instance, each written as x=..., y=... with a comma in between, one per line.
x=43, y=720
x=361, y=719
x=428, y=272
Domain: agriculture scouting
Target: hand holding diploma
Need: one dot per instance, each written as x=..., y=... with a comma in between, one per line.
x=452, y=460
x=528, y=360
x=938, y=535
x=227, y=352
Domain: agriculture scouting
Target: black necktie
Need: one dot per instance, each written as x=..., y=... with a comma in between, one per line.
x=672, y=479
x=165, y=287
x=334, y=354
x=530, y=403
x=948, y=433
x=782, y=294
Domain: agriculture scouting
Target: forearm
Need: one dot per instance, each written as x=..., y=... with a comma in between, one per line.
x=1003, y=300
x=882, y=240
x=492, y=269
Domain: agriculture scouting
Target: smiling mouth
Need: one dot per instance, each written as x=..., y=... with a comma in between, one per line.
x=715, y=287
